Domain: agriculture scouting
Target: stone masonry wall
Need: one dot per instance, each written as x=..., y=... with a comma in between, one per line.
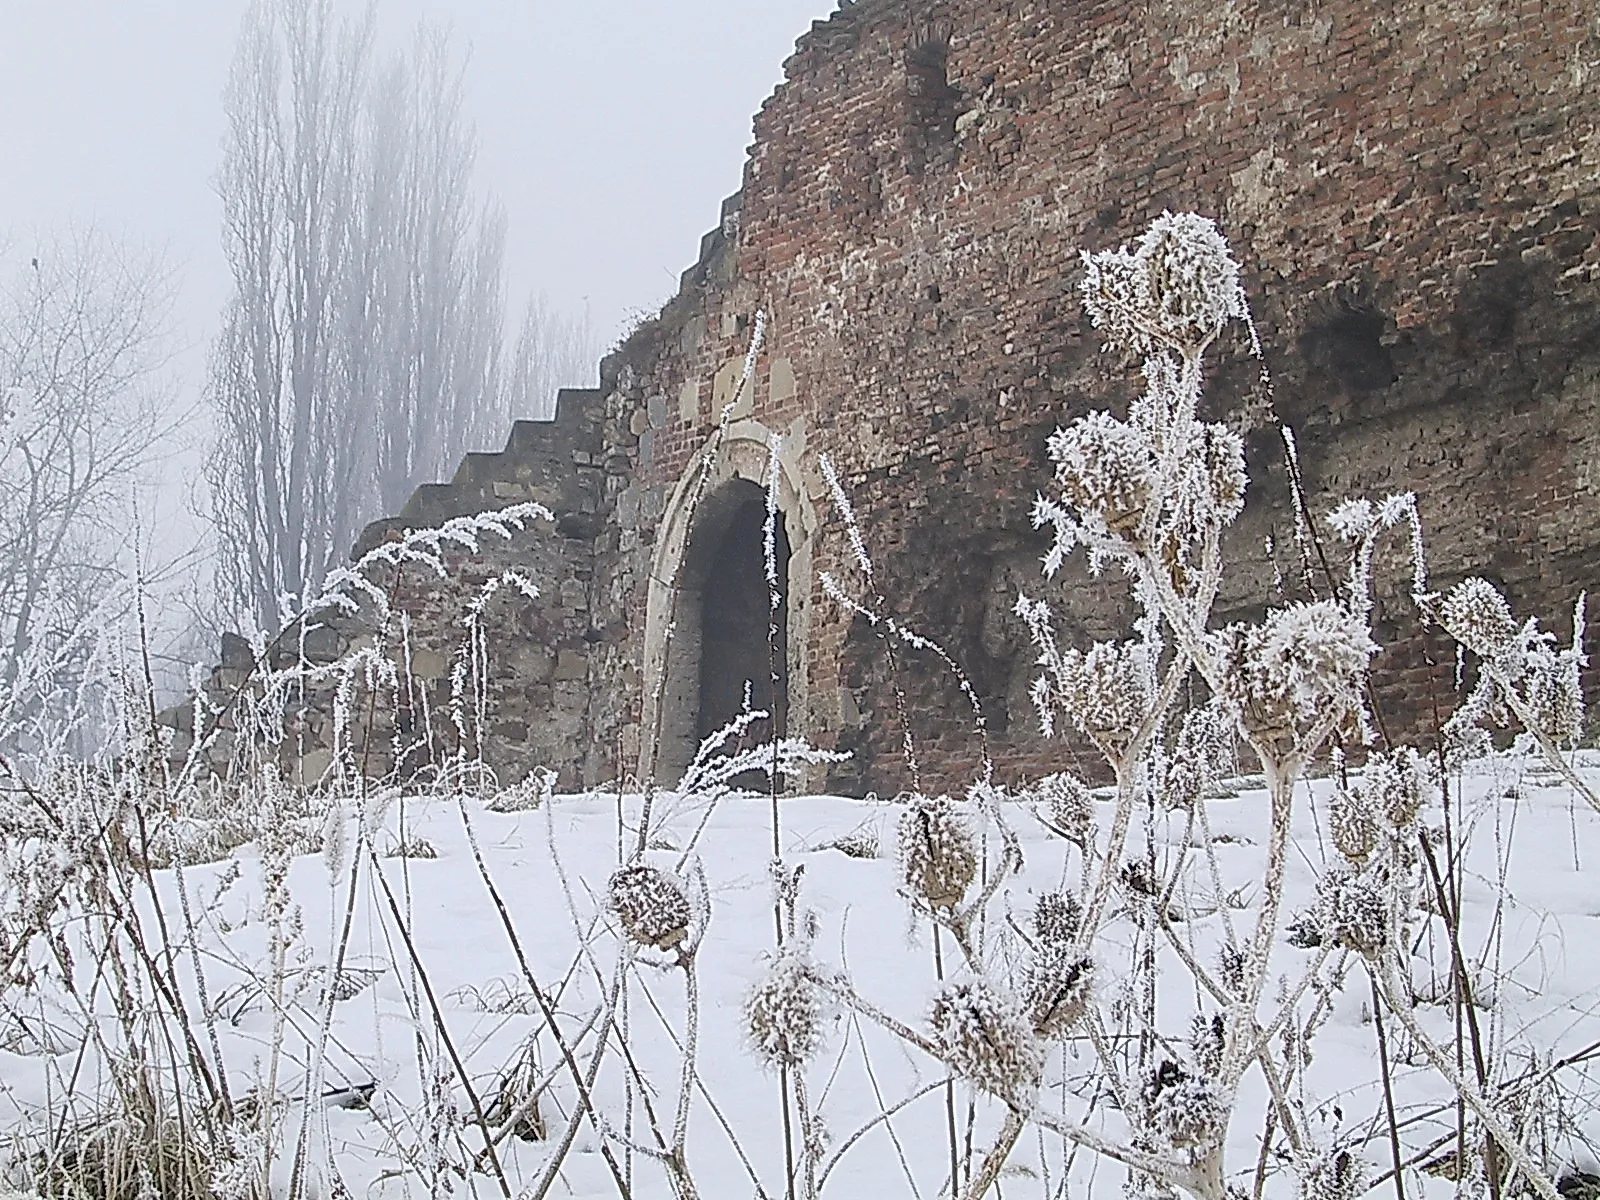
x=1413, y=189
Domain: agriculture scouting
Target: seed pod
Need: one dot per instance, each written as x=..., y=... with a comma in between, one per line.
x=785, y=1013
x=1397, y=786
x=1067, y=806
x=1182, y=1109
x=1477, y=616
x=1336, y=1175
x=1352, y=913
x=1056, y=917
x=986, y=1040
x=1354, y=825
x=1207, y=1041
x=1056, y=990
x=938, y=855
x=650, y=905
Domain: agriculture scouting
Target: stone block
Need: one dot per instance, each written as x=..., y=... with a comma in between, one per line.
x=689, y=401
x=571, y=665
x=312, y=766
x=429, y=664
x=782, y=386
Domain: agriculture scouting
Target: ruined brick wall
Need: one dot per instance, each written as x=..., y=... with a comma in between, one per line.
x=1413, y=189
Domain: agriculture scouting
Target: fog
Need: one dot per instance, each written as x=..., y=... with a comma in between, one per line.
x=608, y=130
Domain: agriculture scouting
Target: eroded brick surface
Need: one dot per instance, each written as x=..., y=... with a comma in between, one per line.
x=1413, y=189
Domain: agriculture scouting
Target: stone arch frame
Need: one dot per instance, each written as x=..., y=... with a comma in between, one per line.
x=669, y=737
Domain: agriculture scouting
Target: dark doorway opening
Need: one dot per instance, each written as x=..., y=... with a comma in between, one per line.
x=743, y=637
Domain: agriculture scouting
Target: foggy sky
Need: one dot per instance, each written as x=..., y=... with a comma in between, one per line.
x=610, y=130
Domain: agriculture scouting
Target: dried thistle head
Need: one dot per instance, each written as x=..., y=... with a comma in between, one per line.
x=1106, y=469
x=650, y=905
x=1182, y=1109
x=1056, y=990
x=1478, y=616
x=786, y=1013
x=1056, y=917
x=1174, y=289
x=1207, y=1041
x=1105, y=689
x=1067, y=806
x=1336, y=1175
x=1397, y=785
x=1303, y=666
x=1354, y=824
x=937, y=852
x=985, y=1038
x=1555, y=696
x=1351, y=912
x=1225, y=476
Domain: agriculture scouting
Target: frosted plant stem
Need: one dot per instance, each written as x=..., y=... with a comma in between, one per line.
x=1280, y=782
x=691, y=1042
x=585, y=1082
x=1120, y=821
x=438, y=1016
x=1515, y=1151
x=885, y=1112
x=950, y=1087
x=325, y=1017
x=810, y=1144
x=705, y=1094
x=546, y=1009
x=1160, y=1168
x=884, y=1117
x=1547, y=747
x=994, y=1160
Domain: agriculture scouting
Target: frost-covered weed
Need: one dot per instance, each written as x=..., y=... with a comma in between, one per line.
x=1301, y=669
x=1057, y=986
x=786, y=1013
x=1182, y=1109
x=1065, y=805
x=982, y=1034
x=1152, y=492
x=1334, y=1175
x=936, y=852
x=651, y=905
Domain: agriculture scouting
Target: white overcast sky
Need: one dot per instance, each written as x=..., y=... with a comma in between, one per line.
x=610, y=130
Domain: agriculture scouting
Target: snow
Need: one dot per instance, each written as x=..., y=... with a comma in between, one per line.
x=1531, y=915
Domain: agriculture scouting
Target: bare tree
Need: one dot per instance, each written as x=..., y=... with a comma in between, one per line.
x=82, y=408
x=553, y=350
x=362, y=351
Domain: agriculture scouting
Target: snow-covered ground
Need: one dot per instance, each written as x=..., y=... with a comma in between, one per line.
x=1532, y=920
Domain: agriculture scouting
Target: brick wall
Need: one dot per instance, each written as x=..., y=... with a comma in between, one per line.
x=1413, y=189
